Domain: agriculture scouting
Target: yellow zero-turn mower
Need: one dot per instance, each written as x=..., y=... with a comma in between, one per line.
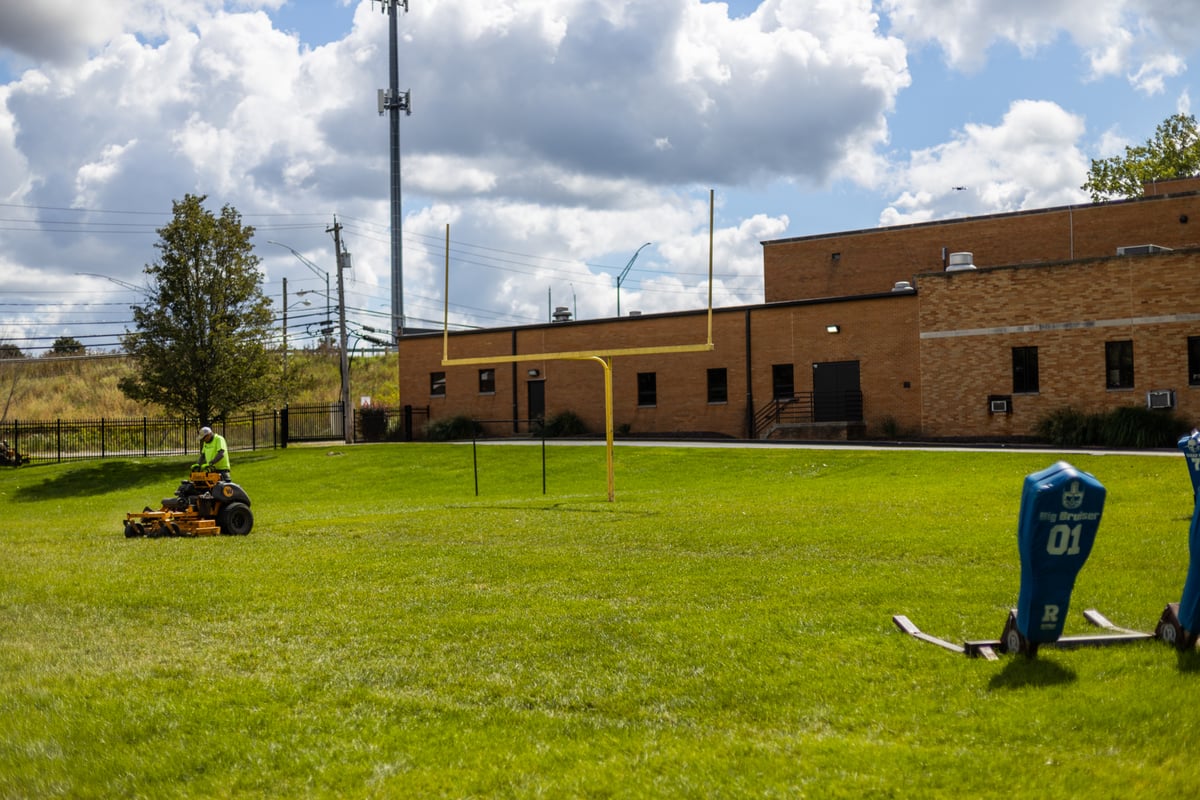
x=203, y=505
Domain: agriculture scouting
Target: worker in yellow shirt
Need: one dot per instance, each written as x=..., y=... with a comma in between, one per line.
x=214, y=456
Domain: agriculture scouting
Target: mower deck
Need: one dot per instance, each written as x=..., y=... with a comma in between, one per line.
x=203, y=505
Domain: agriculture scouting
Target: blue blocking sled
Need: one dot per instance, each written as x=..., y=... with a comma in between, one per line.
x=1060, y=514
x=1180, y=622
x=1190, y=447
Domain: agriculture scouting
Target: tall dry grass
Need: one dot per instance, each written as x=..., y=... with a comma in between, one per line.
x=87, y=388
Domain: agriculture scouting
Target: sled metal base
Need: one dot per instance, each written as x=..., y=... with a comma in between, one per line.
x=1011, y=641
x=1171, y=630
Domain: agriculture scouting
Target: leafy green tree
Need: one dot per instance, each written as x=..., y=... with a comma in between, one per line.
x=8, y=350
x=67, y=346
x=1173, y=152
x=200, y=347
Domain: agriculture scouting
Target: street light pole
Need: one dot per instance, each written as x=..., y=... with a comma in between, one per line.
x=343, y=263
x=320, y=273
x=285, y=336
x=624, y=272
x=285, y=391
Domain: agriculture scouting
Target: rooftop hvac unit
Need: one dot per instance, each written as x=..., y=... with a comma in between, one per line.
x=1161, y=398
x=1142, y=250
x=960, y=261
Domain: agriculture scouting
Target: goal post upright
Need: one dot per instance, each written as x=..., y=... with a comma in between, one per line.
x=603, y=356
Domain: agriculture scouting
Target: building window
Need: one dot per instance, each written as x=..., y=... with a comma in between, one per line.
x=1118, y=364
x=1025, y=370
x=487, y=381
x=437, y=384
x=1194, y=361
x=783, y=382
x=647, y=388
x=718, y=386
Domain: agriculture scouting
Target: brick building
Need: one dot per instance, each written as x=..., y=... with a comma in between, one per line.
x=879, y=331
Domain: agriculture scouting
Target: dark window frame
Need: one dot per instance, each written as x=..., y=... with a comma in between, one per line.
x=647, y=389
x=437, y=384
x=487, y=381
x=1193, y=345
x=783, y=387
x=718, y=385
x=1118, y=364
x=1025, y=370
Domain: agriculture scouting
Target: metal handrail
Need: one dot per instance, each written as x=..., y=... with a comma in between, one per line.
x=806, y=408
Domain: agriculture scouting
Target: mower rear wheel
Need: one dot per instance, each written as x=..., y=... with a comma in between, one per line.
x=235, y=519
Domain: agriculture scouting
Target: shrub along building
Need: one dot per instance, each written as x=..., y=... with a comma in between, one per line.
x=973, y=327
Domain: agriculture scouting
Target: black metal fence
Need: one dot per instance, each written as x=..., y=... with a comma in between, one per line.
x=49, y=441
x=379, y=423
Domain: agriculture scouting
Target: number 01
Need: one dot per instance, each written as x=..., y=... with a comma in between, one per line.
x=1064, y=540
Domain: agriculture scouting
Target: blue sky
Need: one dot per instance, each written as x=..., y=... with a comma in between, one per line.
x=553, y=136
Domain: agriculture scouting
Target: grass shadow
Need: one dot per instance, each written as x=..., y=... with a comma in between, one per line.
x=1189, y=661
x=1021, y=673
x=557, y=508
x=92, y=478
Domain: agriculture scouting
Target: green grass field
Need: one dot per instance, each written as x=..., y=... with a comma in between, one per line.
x=723, y=629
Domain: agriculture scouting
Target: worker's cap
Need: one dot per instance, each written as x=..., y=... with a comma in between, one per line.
x=205, y=431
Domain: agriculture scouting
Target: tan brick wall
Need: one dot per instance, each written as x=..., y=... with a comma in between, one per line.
x=880, y=333
x=970, y=321
x=873, y=260
x=928, y=362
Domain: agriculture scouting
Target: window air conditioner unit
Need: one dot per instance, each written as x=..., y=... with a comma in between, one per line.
x=999, y=405
x=1142, y=250
x=1162, y=398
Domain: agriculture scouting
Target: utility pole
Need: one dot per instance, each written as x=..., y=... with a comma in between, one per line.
x=393, y=101
x=343, y=263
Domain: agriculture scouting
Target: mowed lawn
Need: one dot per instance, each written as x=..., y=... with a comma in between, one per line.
x=723, y=629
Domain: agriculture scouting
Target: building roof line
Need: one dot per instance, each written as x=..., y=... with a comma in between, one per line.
x=674, y=314
x=983, y=217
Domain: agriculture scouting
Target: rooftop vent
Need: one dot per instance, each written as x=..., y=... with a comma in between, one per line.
x=562, y=314
x=958, y=262
x=903, y=286
x=1142, y=250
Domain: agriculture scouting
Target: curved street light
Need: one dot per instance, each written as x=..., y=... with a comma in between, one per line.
x=142, y=289
x=624, y=272
x=347, y=418
x=320, y=273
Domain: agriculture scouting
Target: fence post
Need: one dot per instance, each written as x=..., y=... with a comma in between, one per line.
x=253, y=432
x=145, y=437
x=102, y=450
x=283, y=426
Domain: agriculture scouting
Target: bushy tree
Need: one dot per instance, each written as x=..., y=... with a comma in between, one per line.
x=67, y=346
x=200, y=347
x=1173, y=152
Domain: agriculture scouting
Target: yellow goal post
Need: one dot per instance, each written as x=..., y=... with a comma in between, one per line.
x=601, y=355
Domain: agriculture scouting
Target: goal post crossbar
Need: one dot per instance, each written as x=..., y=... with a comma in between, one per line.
x=601, y=355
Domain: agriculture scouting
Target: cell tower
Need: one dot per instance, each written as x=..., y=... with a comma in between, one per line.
x=393, y=101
